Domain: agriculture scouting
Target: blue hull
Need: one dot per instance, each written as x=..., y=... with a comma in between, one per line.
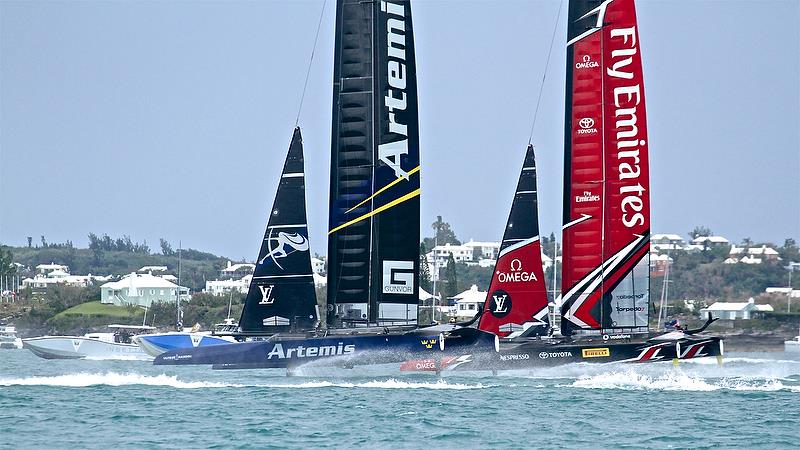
x=344, y=350
x=156, y=344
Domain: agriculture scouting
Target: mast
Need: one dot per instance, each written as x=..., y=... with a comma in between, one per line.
x=517, y=297
x=281, y=296
x=373, y=239
x=606, y=231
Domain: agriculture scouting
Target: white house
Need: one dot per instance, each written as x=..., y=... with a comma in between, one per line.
x=461, y=253
x=749, y=259
x=45, y=269
x=233, y=271
x=546, y=261
x=666, y=242
x=764, y=252
x=141, y=290
x=437, y=257
x=222, y=287
x=318, y=265
x=734, y=310
x=467, y=302
x=483, y=250
x=51, y=277
x=793, y=293
x=710, y=241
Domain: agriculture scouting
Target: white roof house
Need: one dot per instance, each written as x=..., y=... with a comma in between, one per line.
x=749, y=259
x=660, y=258
x=233, y=269
x=734, y=310
x=318, y=265
x=665, y=238
x=767, y=252
x=467, y=302
x=221, y=287
x=59, y=276
x=460, y=253
x=793, y=293
x=488, y=250
x=47, y=268
x=736, y=250
x=710, y=240
x=141, y=290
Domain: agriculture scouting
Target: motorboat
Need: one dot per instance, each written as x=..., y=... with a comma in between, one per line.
x=116, y=344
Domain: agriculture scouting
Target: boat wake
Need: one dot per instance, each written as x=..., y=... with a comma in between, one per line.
x=678, y=381
x=131, y=379
x=120, y=358
x=385, y=384
x=110, y=379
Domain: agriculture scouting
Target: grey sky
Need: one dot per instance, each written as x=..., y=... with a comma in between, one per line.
x=172, y=119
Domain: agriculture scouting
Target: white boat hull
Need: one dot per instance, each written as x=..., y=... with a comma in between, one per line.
x=77, y=347
x=11, y=344
x=792, y=346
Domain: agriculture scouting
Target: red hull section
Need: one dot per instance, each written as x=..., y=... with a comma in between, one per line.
x=517, y=293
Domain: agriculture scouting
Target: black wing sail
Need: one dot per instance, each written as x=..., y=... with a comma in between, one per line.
x=373, y=244
x=281, y=295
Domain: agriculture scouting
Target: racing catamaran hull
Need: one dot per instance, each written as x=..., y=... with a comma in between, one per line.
x=291, y=351
x=537, y=353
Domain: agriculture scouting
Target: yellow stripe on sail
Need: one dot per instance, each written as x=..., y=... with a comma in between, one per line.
x=410, y=172
x=372, y=213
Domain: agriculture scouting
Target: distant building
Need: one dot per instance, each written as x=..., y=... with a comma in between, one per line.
x=467, y=302
x=141, y=290
x=710, y=241
x=237, y=271
x=461, y=253
x=222, y=287
x=54, y=274
x=318, y=265
x=152, y=269
x=749, y=259
x=666, y=243
x=751, y=255
x=659, y=264
x=733, y=310
x=483, y=250
x=45, y=269
x=793, y=293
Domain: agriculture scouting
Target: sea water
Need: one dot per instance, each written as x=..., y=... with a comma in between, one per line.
x=753, y=400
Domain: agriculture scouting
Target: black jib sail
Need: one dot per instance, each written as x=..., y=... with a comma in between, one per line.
x=281, y=295
x=373, y=243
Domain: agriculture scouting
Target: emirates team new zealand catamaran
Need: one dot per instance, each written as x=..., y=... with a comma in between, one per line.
x=373, y=240
x=606, y=233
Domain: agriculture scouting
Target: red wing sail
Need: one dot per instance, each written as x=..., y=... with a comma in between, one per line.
x=605, y=278
x=517, y=297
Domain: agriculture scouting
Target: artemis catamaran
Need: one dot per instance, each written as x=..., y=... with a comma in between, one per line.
x=373, y=239
x=606, y=232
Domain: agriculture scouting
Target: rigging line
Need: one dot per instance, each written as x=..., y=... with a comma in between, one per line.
x=310, y=62
x=544, y=75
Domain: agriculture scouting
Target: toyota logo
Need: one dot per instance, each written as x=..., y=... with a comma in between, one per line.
x=586, y=122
